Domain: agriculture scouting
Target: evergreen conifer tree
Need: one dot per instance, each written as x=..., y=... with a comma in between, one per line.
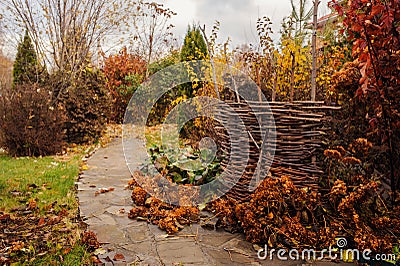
x=194, y=45
x=26, y=67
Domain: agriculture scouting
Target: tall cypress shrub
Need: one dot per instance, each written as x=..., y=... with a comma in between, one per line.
x=26, y=66
x=194, y=45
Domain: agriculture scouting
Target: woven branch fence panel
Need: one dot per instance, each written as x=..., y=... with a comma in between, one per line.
x=297, y=128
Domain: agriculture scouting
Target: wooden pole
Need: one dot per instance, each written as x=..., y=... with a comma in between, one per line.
x=314, y=52
x=292, y=76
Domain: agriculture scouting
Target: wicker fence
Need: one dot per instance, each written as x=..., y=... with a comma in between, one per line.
x=293, y=131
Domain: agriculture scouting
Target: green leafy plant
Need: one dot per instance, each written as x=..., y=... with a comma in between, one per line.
x=190, y=159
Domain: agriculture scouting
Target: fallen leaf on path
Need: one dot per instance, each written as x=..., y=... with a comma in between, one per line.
x=119, y=257
x=99, y=251
x=95, y=260
x=90, y=239
x=104, y=190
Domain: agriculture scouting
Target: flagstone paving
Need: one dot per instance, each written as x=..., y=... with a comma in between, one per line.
x=141, y=243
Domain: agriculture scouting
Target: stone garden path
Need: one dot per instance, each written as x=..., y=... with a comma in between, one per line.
x=141, y=243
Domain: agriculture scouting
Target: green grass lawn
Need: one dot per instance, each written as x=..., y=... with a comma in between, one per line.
x=46, y=180
x=48, y=183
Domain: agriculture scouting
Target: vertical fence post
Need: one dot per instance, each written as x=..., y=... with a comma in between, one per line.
x=314, y=52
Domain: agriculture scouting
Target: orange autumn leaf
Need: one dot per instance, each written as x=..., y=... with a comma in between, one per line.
x=119, y=257
x=41, y=222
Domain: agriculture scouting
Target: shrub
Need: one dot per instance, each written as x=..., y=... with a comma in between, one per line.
x=166, y=103
x=279, y=212
x=87, y=105
x=124, y=72
x=29, y=124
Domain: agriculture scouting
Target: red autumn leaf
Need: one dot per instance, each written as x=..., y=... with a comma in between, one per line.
x=119, y=257
x=377, y=9
x=41, y=222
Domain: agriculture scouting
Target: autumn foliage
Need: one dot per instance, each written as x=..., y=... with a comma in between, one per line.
x=30, y=124
x=32, y=232
x=166, y=216
x=279, y=214
x=124, y=72
x=86, y=106
x=373, y=27
x=358, y=198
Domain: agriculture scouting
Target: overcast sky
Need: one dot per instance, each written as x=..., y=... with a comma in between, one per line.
x=237, y=17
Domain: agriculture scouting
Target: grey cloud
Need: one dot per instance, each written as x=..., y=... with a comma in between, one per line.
x=218, y=8
x=238, y=17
